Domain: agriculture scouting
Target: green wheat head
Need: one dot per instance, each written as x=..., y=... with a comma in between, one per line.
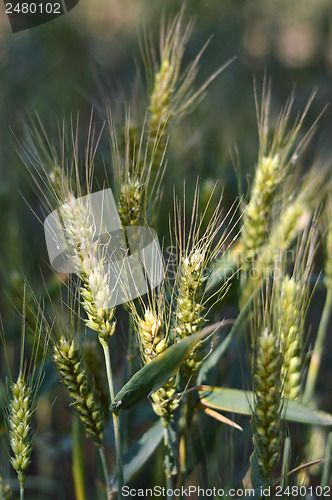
x=153, y=340
x=20, y=434
x=71, y=367
x=266, y=413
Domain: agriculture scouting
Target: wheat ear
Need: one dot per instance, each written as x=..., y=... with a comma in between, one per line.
x=290, y=318
x=70, y=366
x=20, y=414
x=189, y=307
x=266, y=416
x=133, y=160
x=294, y=219
x=153, y=341
x=196, y=252
x=277, y=154
x=89, y=262
x=172, y=94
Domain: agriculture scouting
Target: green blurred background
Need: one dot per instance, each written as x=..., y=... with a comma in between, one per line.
x=89, y=57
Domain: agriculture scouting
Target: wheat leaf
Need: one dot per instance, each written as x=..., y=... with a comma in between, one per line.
x=239, y=401
x=141, y=450
x=155, y=374
x=221, y=418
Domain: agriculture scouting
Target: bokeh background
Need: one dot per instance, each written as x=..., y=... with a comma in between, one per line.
x=90, y=57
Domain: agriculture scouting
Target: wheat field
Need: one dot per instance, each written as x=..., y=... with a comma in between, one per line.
x=166, y=259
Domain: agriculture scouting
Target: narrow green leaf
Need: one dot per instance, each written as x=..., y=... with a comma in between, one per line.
x=142, y=450
x=225, y=399
x=155, y=374
x=170, y=447
x=296, y=411
x=253, y=479
x=239, y=401
x=326, y=474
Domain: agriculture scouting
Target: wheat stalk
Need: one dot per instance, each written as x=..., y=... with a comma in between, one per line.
x=328, y=249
